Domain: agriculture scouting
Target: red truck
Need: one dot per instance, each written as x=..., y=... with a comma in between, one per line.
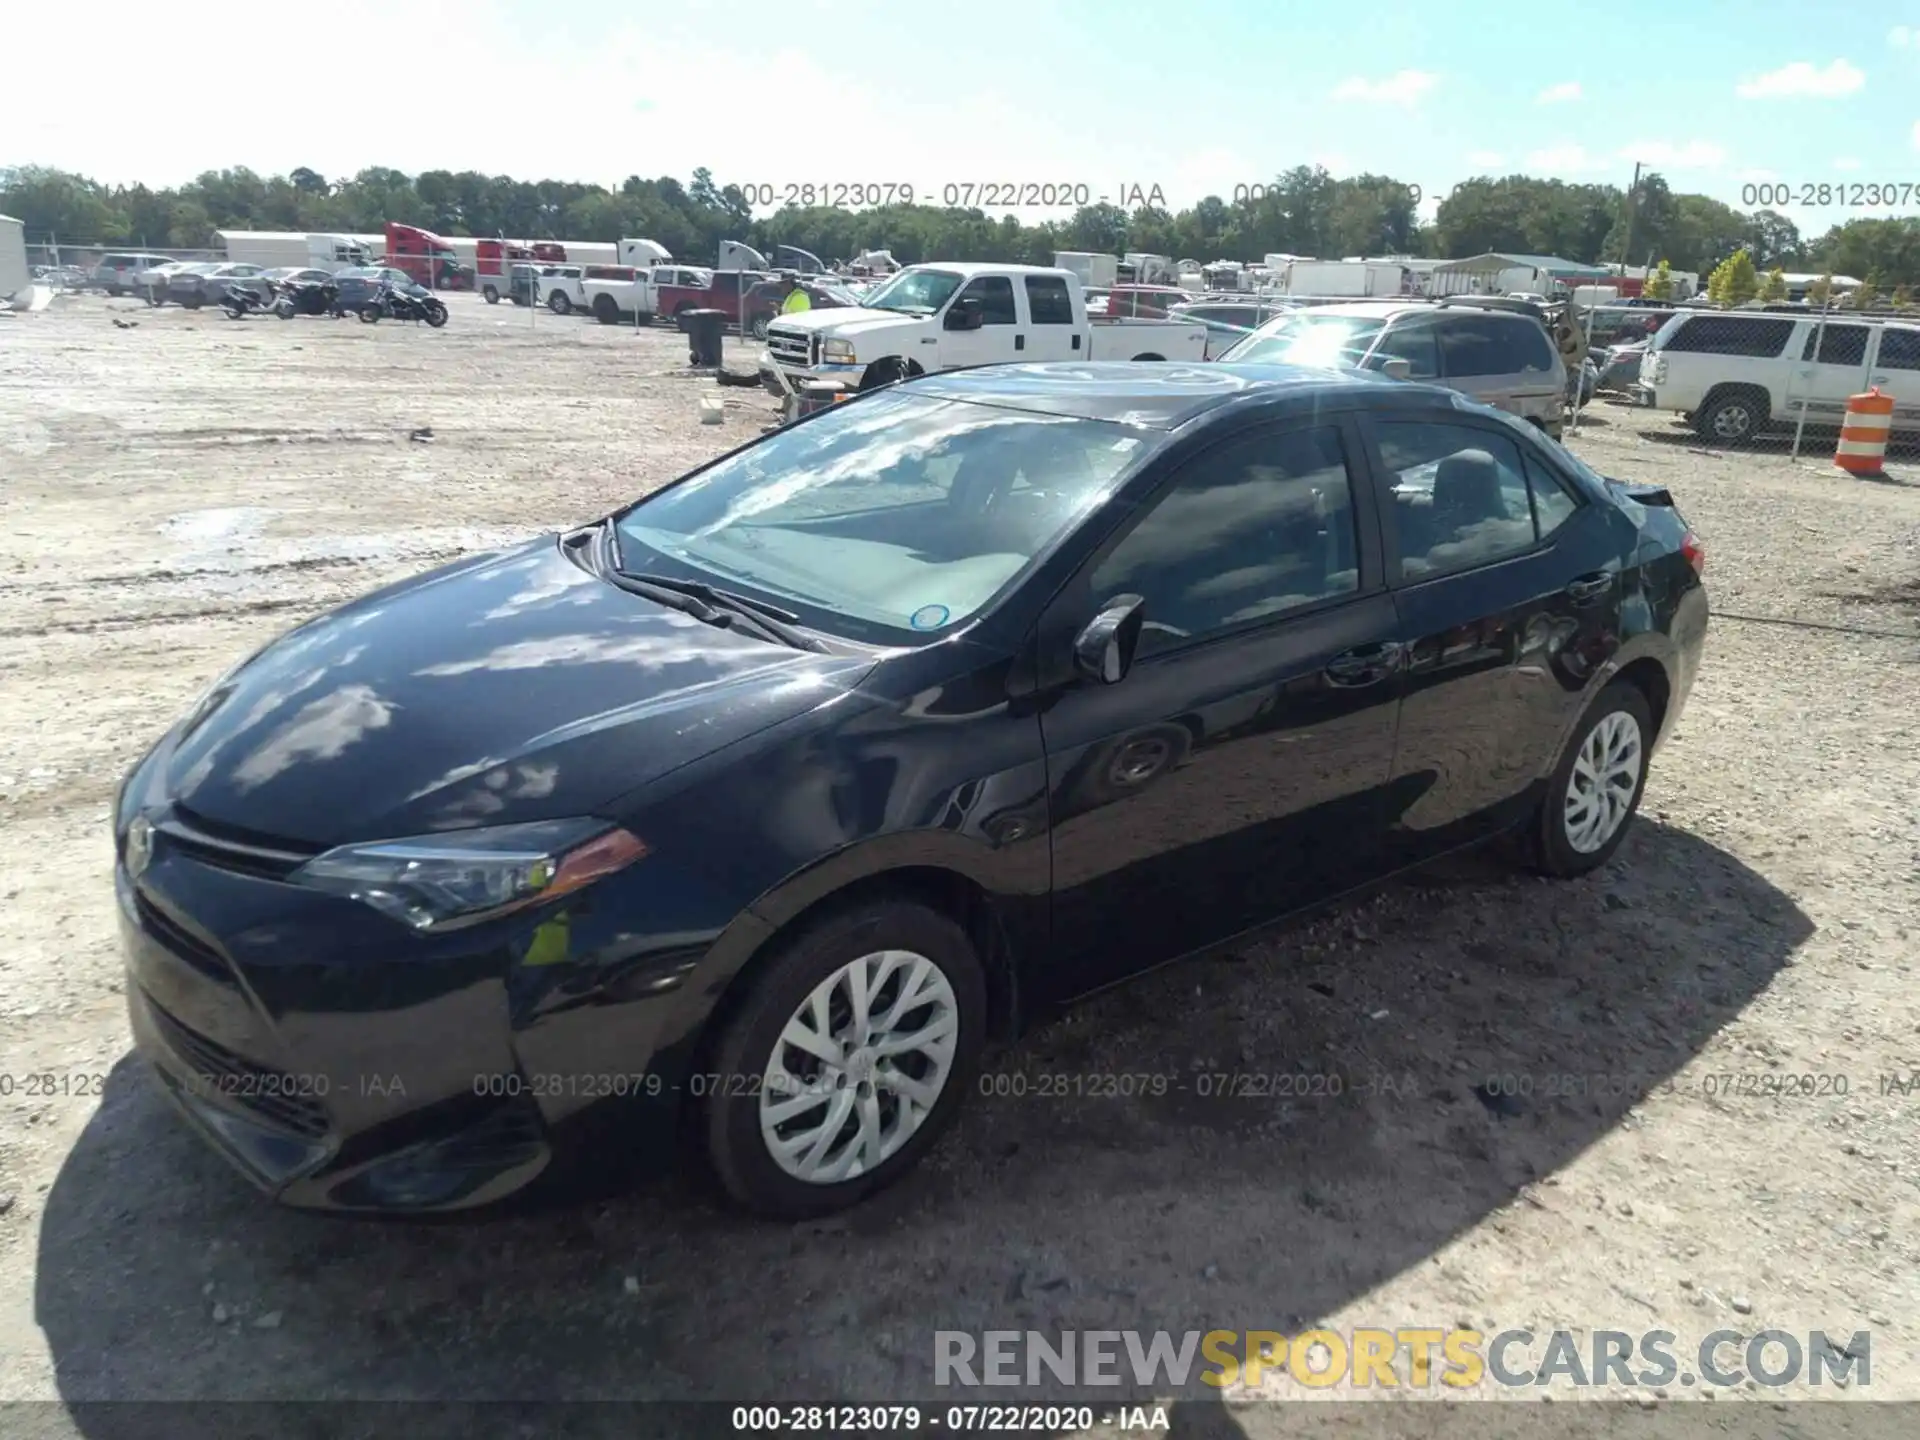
x=426, y=257
x=723, y=294
x=495, y=259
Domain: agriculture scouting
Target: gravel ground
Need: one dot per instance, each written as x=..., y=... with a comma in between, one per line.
x=175, y=493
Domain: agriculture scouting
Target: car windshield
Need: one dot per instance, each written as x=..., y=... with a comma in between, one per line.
x=915, y=292
x=1309, y=340
x=890, y=518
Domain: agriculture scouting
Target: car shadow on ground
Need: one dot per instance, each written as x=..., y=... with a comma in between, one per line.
x=1410, y=1062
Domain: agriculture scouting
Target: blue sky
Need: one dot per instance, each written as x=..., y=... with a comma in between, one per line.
x=1194, y=98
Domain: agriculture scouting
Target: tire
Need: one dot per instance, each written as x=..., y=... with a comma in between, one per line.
x=1555, y=844
x=605, y=311
x=283, y=309
x=683, y=307
x=883, y=373
x=760, y=323
x=731, y=1121
x=1731, y=418
x=369, y=314
x=192, y=300
x=156, y=298
x=492, y=295
x=433, y=312
x=1138, y=358
x=235, y=311
x=115, y=291
x=559, y=303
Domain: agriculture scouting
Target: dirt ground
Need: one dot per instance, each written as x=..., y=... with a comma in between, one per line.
x=175, y=493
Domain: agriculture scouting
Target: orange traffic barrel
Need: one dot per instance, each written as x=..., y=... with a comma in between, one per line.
x=1863, y=433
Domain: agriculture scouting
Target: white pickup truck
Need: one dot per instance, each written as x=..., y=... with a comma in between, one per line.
x=929, y=318
x=617, y=294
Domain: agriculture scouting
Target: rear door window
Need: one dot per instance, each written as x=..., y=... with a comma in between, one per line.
x=1049, y=300
x=1838, y=344
x=1899, y=349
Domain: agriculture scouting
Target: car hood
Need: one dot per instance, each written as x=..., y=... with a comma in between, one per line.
x=510, y=687
x=846, y=321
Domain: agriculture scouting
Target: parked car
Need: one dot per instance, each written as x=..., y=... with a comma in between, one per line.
x=195, y=285
x=1737, y=374
x=929, y=318
x=1620, y=366
x=296, y=274
x=154, y=280
x=763, y=302
x=1500, y=356
x=1229, y=322
x=359, y=285
x=560, y=288
x=802, y=768
x=120, y=273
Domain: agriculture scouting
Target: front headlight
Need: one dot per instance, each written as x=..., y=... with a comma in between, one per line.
x=444, y=882
x=837, y=352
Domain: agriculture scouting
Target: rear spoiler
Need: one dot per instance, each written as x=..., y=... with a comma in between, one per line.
x=1645, y=494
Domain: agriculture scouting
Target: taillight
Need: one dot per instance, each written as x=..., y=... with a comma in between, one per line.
x=1694, y=551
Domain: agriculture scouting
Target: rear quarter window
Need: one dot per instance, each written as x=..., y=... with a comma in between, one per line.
x=1729, y=335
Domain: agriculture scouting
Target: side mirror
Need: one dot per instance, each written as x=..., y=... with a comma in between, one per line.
x=1104, y=650
x=965, y=315
x=1395, y=368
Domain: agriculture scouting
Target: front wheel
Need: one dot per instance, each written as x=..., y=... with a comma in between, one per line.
x=851, y=1053
x=434, y=313
x=1139, y=358
x=882, y=373
x=559, y=303
x=605, y=311
x=760, y=323
x=284, y=309
x=235, y=310
x=370, y=314
x=1595, y=790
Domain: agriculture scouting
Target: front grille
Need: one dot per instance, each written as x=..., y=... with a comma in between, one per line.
x=788, y=346
x=280, y=1099
x=228, y=849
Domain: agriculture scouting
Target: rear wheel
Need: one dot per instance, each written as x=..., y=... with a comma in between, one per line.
x=493, y=295
x=559, y=304
x=759, y=327
x=1595, y=790
x=1149, y=357
x=1731, y=417
x=283, y=308
x=605, y=311
x=370, y=314
x=192, y=300
x=434, y=313
x=852, y=1051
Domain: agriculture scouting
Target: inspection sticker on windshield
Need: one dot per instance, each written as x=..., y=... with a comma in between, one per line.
x=1122, y=446
x=929, y=617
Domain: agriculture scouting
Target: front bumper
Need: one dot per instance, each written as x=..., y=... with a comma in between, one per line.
x=341, y=1062
x=1643, y=396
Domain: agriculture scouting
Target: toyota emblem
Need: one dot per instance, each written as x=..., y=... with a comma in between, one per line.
x=139, y=845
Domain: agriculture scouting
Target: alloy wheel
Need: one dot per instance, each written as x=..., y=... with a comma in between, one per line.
x=1605, y=778
x=1732, y=422
x=859, y=1067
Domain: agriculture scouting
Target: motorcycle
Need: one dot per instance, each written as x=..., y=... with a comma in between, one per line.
x=241, y=301
x=398, y=304
x=307, y=297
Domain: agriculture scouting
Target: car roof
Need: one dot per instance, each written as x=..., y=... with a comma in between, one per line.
x=1163, y=396
x=976, y=267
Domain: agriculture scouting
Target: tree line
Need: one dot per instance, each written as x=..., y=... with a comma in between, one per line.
x=1304, y=211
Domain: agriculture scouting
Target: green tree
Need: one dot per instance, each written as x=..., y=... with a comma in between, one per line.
x=1734, y=281
x=1659, y=284
x=1903, y=297
x=1774, y=287
x=1868, y=293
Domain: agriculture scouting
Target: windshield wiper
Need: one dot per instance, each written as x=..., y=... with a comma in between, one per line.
x=706, y=603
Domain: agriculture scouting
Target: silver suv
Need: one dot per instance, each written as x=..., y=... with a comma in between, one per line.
x=119, y=273
x=1499, y=353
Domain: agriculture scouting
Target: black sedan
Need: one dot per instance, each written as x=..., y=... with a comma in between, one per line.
x=359, y=285
x=749, y=814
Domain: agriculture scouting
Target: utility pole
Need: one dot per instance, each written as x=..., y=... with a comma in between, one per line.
x=1633, y=201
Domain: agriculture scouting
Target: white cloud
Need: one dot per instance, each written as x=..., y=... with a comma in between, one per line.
x=1901, y=38
x=1405, y=88
x=1558, y=94
x=1333, y=164
x=1667, y=155
x=1486, y=161
x=1759, y=177
x=1847, y=162
x=1803, y=79
x=1916, y=134
x=1567, y=160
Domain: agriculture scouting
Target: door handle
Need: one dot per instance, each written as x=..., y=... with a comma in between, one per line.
x=1589, y=588
x=1019, y=342
x=1365, y=664
x=1877, y=379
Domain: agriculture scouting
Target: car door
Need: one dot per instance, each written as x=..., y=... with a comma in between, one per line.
x=1237, y=771
x=995, y=341
x=1050, y=333
x=1507, y=583
x=1832, y=365
x=1896, y=370
x=1502, y=361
